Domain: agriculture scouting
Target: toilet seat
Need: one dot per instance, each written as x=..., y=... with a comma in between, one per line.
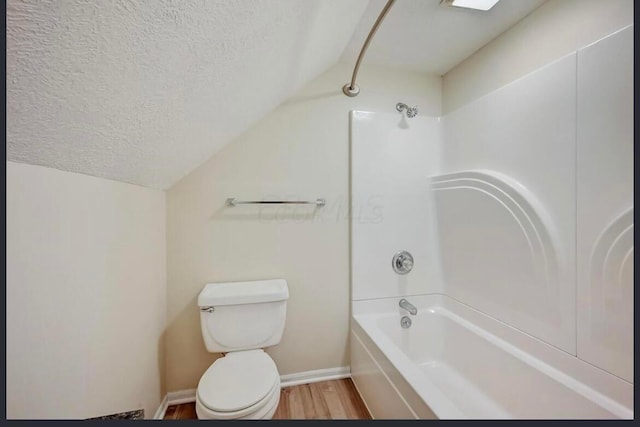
x=239, y=385
x=264, y=410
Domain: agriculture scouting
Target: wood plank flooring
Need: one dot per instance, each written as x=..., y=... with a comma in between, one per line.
x=337, y=399
x=185, y=411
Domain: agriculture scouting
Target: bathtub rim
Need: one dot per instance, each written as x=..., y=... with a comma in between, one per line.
x=604, y=389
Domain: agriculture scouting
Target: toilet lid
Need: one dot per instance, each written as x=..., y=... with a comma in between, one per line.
x=237, y=381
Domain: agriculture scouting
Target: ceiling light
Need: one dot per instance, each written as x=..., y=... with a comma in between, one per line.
x=471, y=4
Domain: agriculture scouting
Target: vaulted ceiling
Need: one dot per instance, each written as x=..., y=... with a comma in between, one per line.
x=144, y=91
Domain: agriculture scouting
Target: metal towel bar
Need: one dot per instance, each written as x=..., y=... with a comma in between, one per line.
x=234, y=202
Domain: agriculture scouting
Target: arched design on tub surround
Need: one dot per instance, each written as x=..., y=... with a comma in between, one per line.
x=610, y=300
x=500, y=254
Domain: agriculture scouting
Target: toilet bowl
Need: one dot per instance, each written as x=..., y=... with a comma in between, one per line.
x=240, y=385
x=240, y=319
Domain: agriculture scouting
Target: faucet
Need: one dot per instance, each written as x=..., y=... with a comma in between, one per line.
x=408, y=306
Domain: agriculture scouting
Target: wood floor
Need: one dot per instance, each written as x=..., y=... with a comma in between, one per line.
x=328, y=400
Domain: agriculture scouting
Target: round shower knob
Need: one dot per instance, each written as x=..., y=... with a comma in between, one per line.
x=402, y=262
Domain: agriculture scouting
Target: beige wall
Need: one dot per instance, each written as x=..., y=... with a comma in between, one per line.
x=301, y=149
x=86, y=295
x=555, y=29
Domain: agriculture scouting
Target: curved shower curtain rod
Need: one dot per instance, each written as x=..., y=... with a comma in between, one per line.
x=352, y=89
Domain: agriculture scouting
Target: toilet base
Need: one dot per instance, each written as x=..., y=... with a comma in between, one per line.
x=262, y=413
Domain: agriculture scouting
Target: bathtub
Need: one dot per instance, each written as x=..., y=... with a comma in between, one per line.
x=455, y=362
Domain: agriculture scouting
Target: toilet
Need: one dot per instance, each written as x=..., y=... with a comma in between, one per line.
x=240, y=319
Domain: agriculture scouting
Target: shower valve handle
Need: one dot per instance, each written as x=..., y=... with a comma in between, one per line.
x=402, y=262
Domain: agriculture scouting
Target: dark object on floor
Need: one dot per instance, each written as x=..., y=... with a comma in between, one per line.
x=131, y=415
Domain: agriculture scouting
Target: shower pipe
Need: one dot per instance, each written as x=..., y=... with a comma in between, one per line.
x=352, y=89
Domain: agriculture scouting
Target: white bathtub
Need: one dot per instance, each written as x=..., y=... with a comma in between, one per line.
x=455, y=362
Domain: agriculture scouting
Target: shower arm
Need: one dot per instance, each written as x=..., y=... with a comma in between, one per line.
x=351, y=89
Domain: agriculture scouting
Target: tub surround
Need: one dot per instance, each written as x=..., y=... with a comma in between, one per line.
x=392, y=158
x=605, y=196
x=567, y=121
x=514, y=176
x=526, y=132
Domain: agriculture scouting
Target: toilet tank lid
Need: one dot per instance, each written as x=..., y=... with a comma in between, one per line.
x=231, y=293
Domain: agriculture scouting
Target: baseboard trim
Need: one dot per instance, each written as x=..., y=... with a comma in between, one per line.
x=309, y=377
x=288, y=380
x=162, y=409
x=182, y=396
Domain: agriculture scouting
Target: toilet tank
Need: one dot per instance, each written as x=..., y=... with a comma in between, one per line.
x=243, y=315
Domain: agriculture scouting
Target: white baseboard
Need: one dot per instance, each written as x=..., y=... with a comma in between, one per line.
x=315, y=376
x=182, y=396
x=162, y=409
x=308, y=377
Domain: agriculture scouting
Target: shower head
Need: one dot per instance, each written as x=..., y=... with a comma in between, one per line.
x=411, y=111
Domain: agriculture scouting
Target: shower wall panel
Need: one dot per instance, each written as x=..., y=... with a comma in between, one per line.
x=392, y=158
x=535, y=204
x=605, y=204
x=507, y=218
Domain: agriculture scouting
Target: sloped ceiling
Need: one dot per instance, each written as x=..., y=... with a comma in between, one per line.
x=421, y=35
x=144, y=91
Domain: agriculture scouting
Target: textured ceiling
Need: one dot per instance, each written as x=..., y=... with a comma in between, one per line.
x=144, y=91
x=421, y=35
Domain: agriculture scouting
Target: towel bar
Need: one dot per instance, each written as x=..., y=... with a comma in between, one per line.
x=233, y=202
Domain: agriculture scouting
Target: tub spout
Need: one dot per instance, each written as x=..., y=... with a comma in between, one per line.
x=408, y=306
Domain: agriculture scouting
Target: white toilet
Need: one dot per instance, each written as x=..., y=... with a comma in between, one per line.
x=240, y=319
